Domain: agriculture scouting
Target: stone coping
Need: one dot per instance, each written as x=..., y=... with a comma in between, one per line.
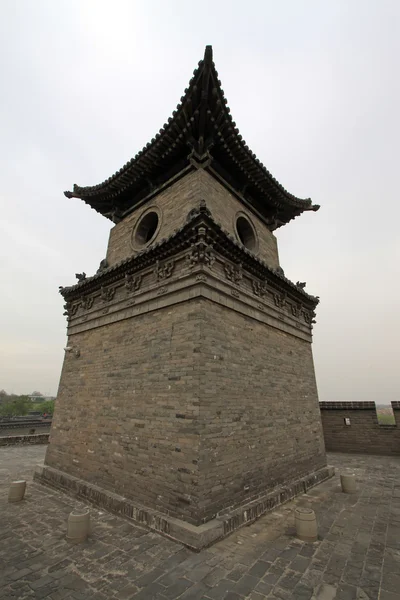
x=357, y=405
x=192, y=536
x=14, y=440
x=347, y=405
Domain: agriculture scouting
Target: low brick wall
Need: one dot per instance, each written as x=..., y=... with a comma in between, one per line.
x=19, y=427
x=353, y=427
x=18, y=440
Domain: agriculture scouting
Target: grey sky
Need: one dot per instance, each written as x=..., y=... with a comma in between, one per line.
x=314, y=89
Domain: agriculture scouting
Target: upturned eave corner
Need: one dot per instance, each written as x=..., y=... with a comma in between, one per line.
x=201, y=126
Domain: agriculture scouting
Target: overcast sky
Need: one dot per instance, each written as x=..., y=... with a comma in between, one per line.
x=314, y=88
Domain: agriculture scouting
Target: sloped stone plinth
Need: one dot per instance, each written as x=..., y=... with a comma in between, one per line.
x=195, y=537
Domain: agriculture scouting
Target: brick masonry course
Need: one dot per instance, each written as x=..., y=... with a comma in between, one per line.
x=363, y=434
x=357, y=555
x=184, y=416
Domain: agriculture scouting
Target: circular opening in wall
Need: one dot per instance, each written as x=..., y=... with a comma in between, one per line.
x=246, y=233
x=146, y=228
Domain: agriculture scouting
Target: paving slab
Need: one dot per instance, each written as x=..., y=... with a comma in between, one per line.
x=357, y=555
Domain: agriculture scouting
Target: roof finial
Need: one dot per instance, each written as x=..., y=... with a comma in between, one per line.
x=208, y=55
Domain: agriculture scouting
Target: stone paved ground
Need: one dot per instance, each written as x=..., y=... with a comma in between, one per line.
x=358, y=555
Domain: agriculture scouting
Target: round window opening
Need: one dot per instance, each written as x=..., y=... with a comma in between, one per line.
x=246, y=233
x=146, y=228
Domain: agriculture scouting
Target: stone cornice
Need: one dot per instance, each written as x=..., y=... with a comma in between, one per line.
x=199, y=284
x=201, y=240
x=198, y=270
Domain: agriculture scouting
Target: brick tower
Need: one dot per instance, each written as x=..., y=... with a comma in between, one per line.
x=187, y=397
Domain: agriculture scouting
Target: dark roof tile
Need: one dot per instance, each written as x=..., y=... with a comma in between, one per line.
x=201, y=123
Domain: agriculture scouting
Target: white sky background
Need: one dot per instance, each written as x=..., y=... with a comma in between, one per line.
x=314, y=89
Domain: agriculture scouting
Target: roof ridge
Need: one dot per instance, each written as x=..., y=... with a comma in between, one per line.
x=147, y=146
x=201, y=124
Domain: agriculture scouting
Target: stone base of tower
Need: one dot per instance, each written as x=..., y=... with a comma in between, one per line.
x=192, y=536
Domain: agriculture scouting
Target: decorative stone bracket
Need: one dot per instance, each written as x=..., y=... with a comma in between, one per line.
x=107, y=294
x=164, y=271
x=296, y=310
x=280, y=300
x=132, y=284
x=86, y=302
x=233, y=272
x=201, y=250
x=260, y=288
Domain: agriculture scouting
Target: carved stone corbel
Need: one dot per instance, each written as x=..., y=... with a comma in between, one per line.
x=164, y=271
x=260, y=288
x=296, y=310
x=201, y=250
x=70, y=309
x=280, y=300
x=107, y=294
x=309, y=316
x=132, y=284
x=233, y=272
x=86, y=302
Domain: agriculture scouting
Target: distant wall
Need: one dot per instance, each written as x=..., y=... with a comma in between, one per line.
x=16, y=440
x=363, y=434
x=24, y=429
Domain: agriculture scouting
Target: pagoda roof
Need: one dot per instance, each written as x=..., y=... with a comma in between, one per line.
x=200, y=134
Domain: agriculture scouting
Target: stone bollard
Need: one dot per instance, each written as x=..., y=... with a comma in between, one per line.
x=78, y=525
x=16, y=492
x=348, y=483
x=306, y=524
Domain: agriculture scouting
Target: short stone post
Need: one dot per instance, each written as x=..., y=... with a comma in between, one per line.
x=16, y=492
x=78, y=525
x=348, y=483
x=306, y=524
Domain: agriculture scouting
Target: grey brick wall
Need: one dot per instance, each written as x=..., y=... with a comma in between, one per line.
x=189, y=409
x=259, y=409
x=364, y=434
x=127, y=410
